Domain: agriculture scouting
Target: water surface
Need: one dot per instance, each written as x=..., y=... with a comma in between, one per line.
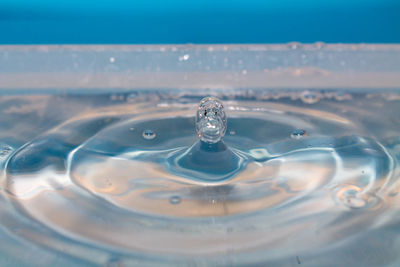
x=301, y=177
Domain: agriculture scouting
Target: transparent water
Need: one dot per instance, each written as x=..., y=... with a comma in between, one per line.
x=305, y=178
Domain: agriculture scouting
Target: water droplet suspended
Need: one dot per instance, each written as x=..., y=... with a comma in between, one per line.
x=211, y=120
x=298, y=133
x=174, y=200
x=149, y=134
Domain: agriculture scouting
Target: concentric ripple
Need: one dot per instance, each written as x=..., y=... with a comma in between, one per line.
x=135, y=180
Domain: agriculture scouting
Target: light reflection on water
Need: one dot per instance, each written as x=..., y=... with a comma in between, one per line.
x=98, y=179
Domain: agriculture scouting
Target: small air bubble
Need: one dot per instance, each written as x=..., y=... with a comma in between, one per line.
x=131, y=97
x=355, y=202
x=112, y=59
x=319, y=45
x=149, y=134
x=131, y=129
x=293, y=45
x=5, y=151
x=184, y=57
x=353, y=197
x=232, y=132
x=298, y=133
x=310, y=97
x=174, y=200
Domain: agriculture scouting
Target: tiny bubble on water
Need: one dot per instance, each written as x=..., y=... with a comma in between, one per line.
x=355, y=202
x=298, y=133
x=319, y=45
x=175, y=200
x=310, y=97
x=131, y=129
x=5, y=150
x=112, y=59
x=293, y=45
x=131, y=97
x=149, y=134
x=184, y=57
x=232, y=132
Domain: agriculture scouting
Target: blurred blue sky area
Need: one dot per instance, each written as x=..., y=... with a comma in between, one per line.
x=206, y=21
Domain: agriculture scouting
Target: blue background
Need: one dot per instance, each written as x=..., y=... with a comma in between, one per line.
x=207, y=21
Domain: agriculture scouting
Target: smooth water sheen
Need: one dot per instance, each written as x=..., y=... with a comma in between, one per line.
x=300, y=178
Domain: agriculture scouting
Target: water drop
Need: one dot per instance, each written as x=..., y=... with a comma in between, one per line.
x=211, y=120
x=149, y=134
x=132, y=129
x=232, y=132
x=112, y=59
x=174, y=200
x=298, y=133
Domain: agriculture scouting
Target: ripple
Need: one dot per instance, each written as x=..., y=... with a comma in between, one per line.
x=138, y=182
